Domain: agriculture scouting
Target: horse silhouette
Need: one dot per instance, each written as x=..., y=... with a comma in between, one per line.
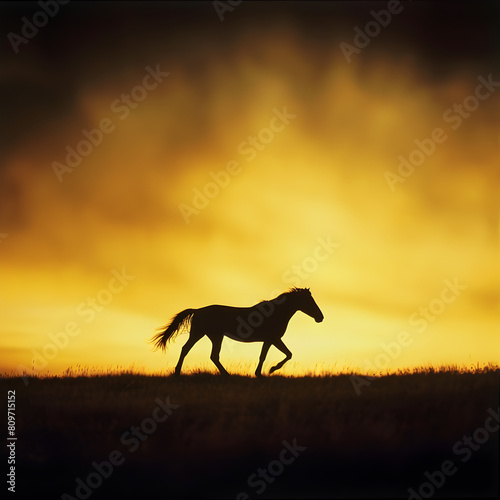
x=264, y=322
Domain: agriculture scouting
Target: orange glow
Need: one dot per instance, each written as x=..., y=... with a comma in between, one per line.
x=320, y=176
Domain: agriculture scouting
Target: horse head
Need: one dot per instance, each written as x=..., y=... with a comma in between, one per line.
x=307, y=304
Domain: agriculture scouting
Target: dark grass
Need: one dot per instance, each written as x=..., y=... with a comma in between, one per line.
x=375, y=444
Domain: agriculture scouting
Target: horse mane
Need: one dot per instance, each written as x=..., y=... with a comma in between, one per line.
x=290, y=291
x=294, y=289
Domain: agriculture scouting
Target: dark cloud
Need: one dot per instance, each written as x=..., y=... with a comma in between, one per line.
x=96, y=43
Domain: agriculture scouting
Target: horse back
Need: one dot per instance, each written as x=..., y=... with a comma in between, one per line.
x=245, y=324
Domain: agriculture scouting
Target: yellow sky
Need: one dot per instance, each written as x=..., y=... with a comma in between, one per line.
x=316, y=177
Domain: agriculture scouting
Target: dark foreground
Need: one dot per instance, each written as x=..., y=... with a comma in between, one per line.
x=118, y=436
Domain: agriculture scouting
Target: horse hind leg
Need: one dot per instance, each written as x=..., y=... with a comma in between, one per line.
x=214, y=356
x=193, y=338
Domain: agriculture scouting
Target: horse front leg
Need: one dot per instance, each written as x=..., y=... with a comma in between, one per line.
x=262, y=357
x=284, y=349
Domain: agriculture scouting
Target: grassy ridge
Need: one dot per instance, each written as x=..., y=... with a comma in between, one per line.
x=375, y=443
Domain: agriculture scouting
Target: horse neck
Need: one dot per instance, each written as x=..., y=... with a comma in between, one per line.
x=288, y=308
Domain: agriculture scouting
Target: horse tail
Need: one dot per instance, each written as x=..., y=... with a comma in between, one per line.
x=170, y=331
